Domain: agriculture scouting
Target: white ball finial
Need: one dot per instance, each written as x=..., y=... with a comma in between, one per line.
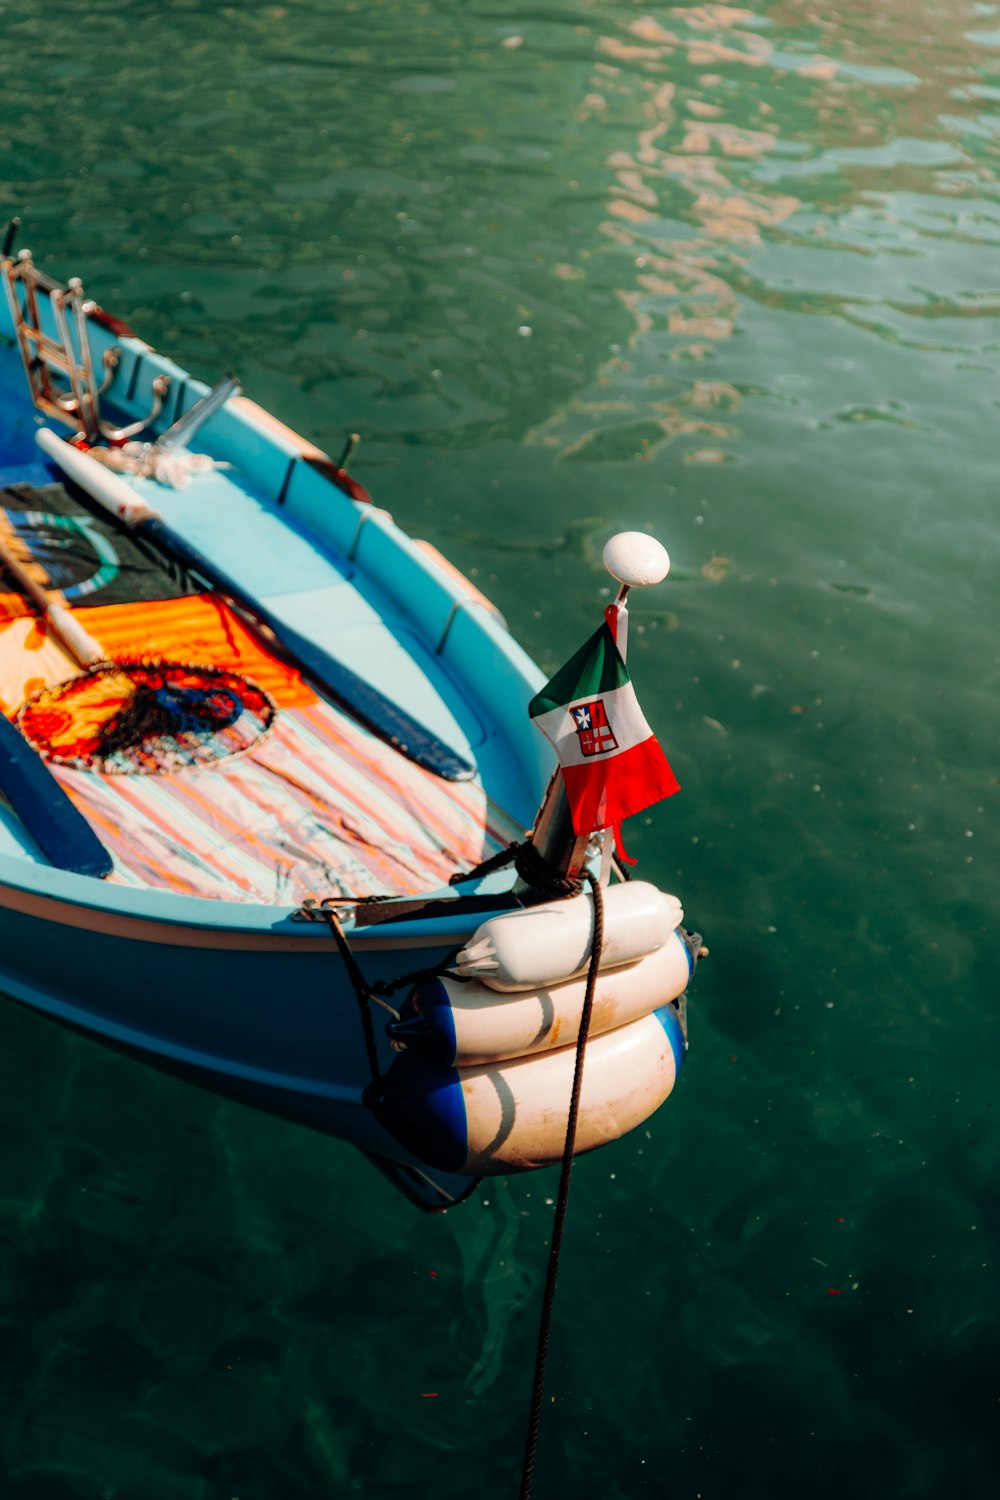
x=636, y=559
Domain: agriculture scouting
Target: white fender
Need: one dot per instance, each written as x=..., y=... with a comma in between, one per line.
x=542, y=945
x=512, y=1115
x=468, y=1024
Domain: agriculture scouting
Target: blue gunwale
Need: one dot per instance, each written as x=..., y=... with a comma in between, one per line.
x=148, y=915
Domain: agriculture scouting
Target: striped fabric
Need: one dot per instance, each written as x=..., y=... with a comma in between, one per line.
x=318, y=807
x=195, y=628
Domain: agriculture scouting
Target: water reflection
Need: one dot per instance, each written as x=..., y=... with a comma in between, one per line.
x=682, y=214
x=799, y=162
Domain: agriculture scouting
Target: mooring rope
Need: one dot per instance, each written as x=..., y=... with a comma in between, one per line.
x=362, y=992
x=442, y=970
x=562, y=1198
x=533, y=868
x=365, y=994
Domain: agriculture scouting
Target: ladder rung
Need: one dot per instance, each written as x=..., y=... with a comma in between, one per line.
x=48, y=348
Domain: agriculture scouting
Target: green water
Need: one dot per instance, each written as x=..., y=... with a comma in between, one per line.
x=732, y=276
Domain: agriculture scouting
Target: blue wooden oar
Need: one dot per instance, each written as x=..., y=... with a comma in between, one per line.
x=365, y=703
x=60, y=831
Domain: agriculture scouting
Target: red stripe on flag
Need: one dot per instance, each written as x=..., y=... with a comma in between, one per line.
x=601, y=795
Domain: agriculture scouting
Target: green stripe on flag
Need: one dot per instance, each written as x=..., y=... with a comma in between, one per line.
x=596, y=668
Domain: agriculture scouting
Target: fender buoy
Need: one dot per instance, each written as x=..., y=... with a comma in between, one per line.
x=547, y=944
x=469, y=1024
x=509, y=1116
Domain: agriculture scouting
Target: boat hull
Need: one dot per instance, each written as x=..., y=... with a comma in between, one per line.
x=264, y=1016
x=398, y=755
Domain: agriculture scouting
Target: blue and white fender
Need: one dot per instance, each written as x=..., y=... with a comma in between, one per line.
x=512, y=1115
x=549, y=943
x=470, y=1024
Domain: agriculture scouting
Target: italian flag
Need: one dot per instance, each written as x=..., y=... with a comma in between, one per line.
x=611, y=763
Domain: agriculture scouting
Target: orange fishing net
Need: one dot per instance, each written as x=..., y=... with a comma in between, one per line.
x=145, y=718
x=196, y=628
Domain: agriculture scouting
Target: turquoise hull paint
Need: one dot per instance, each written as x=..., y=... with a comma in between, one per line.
x=241, y=998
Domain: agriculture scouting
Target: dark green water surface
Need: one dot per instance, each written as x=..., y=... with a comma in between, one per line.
x=732, y=276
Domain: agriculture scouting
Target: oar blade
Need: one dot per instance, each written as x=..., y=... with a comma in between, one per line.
x=60, y=831
x=370, y=707
x=386, y=720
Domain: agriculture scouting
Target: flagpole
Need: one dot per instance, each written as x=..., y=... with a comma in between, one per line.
x=616, y=615
x=635, y=560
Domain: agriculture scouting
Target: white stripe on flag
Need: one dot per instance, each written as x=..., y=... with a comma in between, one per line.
x=625, y=721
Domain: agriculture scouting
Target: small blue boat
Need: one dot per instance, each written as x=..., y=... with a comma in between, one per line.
x=261, y=755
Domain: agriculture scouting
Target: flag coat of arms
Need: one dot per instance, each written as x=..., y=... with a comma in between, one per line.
x=611, y=762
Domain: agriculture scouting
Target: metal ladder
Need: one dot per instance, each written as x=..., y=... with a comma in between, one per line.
x=59, y=369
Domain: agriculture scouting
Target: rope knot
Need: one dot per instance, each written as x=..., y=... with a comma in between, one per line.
x=533, y=868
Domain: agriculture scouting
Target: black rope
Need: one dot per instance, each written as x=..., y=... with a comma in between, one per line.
x=362, y=992
x=536, y=871
x=533, y=868
x=562, y=1199
x=435, y=971
x=498, y=861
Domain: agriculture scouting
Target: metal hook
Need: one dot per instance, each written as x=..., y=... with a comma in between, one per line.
x=161, y=386
x=111, y=360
